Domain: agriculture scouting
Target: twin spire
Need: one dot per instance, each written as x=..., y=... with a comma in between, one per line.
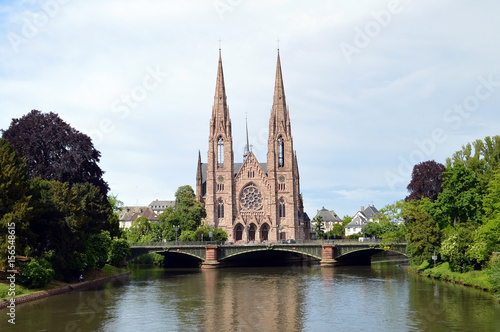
x=220, y=111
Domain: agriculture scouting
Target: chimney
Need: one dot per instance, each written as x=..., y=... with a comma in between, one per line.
x=362, y=208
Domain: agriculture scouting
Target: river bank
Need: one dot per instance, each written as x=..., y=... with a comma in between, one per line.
x=475, y=279
x=93, y=279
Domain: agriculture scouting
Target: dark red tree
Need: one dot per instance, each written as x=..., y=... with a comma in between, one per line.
x=55, y=151
x=426, y=180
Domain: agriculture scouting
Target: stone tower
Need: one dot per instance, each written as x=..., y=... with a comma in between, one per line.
x=252, y=201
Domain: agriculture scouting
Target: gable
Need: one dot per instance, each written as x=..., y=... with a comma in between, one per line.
x=251, y=170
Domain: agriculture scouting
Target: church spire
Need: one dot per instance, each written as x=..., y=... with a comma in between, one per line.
x=279, y=90
x=220, y=111
x=246, y=151
x=280, y=119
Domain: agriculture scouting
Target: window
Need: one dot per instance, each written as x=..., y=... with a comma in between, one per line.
x=220, y=186
x=281, y=152
x=281, y=186
x=220, y=208
x=220, y=152
x=282, y=208
x=251, y=198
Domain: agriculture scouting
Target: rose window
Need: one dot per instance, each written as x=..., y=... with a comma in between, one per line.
x=251, y=198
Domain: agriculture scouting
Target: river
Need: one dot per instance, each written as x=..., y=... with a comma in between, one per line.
x=380, y=297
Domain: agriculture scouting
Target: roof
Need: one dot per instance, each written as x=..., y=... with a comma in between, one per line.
x=131, y=213
x=157, y=204
x=327, y=215
x=370, y=212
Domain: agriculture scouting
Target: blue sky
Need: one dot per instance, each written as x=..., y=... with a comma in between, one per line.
x=373, y=87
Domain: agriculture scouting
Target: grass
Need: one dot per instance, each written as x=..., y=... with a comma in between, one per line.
x=477, y=279
x=20, y=290
x=106, y=271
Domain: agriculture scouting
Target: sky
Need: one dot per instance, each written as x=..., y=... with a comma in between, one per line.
x=373, y=87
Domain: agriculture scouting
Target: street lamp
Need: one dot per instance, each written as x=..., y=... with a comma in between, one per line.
x=247, y=229
x=176, y=227
x=278, y=232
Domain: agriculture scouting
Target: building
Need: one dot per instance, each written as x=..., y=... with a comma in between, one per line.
x=329, y=218
x=360, y=219
x=128, y=214
x=252, y=201
x=159, y=206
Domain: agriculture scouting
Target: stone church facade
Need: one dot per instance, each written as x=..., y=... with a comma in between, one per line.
x=252, y=201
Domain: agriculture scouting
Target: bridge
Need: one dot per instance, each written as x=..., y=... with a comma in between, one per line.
x=213, y=255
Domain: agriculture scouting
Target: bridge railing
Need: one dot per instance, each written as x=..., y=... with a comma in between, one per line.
x=173, y=243
x=289, y=242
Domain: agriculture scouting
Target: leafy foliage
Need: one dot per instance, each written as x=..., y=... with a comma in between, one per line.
x=36, y=273
x=426, y=180
x=15, y=202
x=319, y=226
x=96, y=250
x=461, y=199
x=55, y=151
x=120, y=249
x=454, y=249
x=422, y=232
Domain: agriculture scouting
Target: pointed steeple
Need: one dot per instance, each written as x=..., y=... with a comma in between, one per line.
x=280, y=119
x=220, y=112
x=246, y=151
x=279, y=89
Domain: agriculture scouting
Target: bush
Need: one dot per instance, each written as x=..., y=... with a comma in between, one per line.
x=495, y=276
x=36, y=273
x=120, y=249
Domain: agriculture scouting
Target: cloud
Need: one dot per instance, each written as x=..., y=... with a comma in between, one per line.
x=352, y=122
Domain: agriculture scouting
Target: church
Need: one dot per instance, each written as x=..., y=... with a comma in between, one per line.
x=252, y=201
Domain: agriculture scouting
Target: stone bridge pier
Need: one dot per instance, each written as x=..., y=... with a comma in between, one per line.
x=327, y=255
x=211, y=261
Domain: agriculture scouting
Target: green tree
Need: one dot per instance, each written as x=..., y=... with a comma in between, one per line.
x=319, y=227
x=346, y=220
x=372, y=229
x=189, y=211
x=481, y=157
x=119, y=251
x=422, y=232
x=97, y=250
x=461, y=198
x=15, y=202
x=455, y=247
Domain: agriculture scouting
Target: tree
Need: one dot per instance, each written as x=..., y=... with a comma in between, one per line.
x=55, y=151
x=15, y=202
x=319, y=226
x=422, y=232
x=119, y=251
x=481, y=157
x=462, y=198
x=372, y=229
x=346, y=220
x=426, y=180
x=189, y=212
x=64, y=219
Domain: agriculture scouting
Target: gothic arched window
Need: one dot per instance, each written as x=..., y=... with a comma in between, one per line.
x=281, y=209
x=220, y=208
x=281, y=152
x=220, y=152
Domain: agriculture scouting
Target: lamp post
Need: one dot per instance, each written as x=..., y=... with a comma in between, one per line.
x=176, y=227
